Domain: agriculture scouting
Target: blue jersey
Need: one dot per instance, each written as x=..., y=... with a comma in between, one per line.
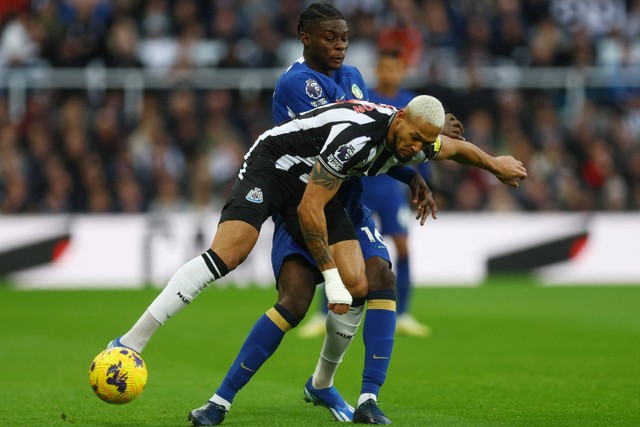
x=300, y=89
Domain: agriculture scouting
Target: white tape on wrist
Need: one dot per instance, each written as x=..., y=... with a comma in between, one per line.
x=335, y=290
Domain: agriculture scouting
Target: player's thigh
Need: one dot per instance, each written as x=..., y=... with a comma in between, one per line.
x=350, y=263
x=376, y=255
x=234, y=241
x=371, y=242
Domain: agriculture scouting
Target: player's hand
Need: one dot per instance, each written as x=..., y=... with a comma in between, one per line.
x=338, y=296
x=339, y=308
x=422, y=197
x=426, y=206
x=510, y=171
x=452, y=127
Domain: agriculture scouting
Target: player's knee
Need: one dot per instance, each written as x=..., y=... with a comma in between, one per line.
x=380, y=276
x=356, y=282
x=297, y=286
x=296, y=305
x=358, y=288
x=231, y=259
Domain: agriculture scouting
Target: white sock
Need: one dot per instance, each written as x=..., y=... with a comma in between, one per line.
x=340, y=332
x=183, y=287
x=139, y=335
x=366, y=396
x=220, y=401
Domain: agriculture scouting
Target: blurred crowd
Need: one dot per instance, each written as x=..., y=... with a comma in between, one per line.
x=77, y=151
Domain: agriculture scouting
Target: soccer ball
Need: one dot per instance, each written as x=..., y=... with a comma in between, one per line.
x=118, y=375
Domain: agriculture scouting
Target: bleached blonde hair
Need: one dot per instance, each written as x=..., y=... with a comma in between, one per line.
x=427, y=108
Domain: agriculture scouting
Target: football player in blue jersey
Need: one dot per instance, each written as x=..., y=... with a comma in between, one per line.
x=386, y=197
x=317, y=78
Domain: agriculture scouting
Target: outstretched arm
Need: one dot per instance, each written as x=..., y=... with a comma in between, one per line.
x=321, y=188
x=505, y=168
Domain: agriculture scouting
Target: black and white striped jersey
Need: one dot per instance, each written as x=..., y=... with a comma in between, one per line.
x=348, y=138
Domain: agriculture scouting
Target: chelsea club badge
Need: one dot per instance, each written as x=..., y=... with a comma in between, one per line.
x=356, y=91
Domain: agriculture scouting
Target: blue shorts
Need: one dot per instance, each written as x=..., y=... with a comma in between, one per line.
x=388, y=199
x=284, y=245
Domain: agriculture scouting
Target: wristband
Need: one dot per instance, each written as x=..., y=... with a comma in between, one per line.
x=335, y=290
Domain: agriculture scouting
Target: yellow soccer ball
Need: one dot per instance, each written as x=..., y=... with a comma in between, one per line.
x=118, y=375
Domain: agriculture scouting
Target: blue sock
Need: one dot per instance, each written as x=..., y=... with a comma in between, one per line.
x=378, y=333
x=402, y=284
x=260, y=344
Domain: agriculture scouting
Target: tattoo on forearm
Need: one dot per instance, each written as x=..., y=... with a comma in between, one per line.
x=321, y=176
x=318, y=246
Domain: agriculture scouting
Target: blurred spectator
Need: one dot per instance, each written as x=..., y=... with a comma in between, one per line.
x=400, y=29
x=59, y=187
x=122, y=45
x=168, y=195
x=286, y=18
x=225, y=24
x=20, y=41
x=478, y=41
x=9, y=8
x=183, y=121
x=547, y=44
x=75, y=148
x=510, y=34
x=85, y=27
x=129, y=195
x=441, y=25
x=598, y=17
x=158, y=49
x=186, y=17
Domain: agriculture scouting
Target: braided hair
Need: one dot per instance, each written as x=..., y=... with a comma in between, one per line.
x=317, y=12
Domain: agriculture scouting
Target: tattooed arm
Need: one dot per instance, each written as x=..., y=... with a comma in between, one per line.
x=321, y=188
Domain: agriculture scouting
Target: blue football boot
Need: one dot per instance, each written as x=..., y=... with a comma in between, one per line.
x=369, y=413
x=209, y=414
x=330, y=399
x=116, y=343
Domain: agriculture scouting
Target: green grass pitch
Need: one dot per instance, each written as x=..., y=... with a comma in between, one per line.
x=506, y=354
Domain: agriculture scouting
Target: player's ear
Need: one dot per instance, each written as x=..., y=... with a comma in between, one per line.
x=305, y=38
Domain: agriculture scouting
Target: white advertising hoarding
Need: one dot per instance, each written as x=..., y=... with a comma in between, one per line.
x=129, y=251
